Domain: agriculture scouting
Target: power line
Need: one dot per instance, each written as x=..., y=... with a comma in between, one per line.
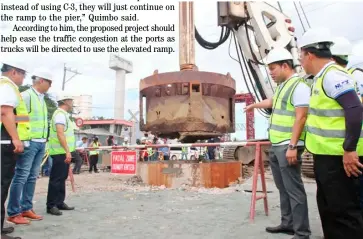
x=298, y=13
x=307, y=21
x=325, y=6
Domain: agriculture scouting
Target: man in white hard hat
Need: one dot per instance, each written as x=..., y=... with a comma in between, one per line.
x=61, y=146
x=333, y=136
x=341, y=50
x=286, y=133
x=20, y=204
x=15, y=129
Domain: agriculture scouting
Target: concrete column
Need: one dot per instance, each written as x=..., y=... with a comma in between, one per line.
x=120, y=94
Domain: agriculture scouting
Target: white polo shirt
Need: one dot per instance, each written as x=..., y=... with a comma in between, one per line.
x=8, y=96
x=358, y=77
x=335, y=83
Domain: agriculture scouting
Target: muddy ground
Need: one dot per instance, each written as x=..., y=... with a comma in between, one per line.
x=112, y=206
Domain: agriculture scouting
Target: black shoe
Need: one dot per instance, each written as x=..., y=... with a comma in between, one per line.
x=3, y=236
x=7, y=230
x=54, y=211
x=65, y=207
x=280, y=229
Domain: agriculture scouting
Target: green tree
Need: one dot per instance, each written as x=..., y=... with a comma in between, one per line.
x=51, y=105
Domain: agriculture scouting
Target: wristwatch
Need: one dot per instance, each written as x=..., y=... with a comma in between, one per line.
x=292, y=147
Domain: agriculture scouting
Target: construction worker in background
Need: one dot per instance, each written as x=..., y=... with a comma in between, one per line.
x=79, y=155
x=94, y=155
x=62, y=144
x=289, y=105
x=126, y=141
x=333, y=136
x=341, y=50
x=15, y=130
x=184, y=153
x=20, y=203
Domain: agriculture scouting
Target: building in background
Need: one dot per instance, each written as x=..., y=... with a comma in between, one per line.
x=83, y=106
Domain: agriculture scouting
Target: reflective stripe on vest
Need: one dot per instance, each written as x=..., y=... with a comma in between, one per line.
x=283, y=114
x=351, y=71
x=38, y=116
x=22, y=117
x=326, y=123
x=94, y=152
x=54, y=145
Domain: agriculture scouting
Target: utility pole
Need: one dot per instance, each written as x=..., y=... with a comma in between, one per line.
x=65, y=69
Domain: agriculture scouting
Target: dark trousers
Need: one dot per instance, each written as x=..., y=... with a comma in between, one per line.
x=93, y=163
x=57, y=181
x=337, y=198
x=77, y=162
x=8, y=162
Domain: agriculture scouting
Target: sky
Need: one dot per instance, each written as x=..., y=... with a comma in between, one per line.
x=343, y=18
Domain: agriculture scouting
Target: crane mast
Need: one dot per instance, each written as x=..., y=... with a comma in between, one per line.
x=258, y=27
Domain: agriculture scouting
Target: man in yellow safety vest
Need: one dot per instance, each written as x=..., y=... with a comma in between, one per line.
x=94, y=155
x=20, y=205
x=15, y=129
x=286, y=133
x=333, y=136
x=62, y=144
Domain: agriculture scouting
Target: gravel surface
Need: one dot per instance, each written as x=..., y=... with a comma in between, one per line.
x=111, y=206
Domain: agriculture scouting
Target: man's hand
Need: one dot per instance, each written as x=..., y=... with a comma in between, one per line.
x=18, y=145
x=68, y=158
x=351, y=164
x=291, y=156
x=248, y=108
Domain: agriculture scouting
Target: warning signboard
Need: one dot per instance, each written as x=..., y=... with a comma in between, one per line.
x=123, y=162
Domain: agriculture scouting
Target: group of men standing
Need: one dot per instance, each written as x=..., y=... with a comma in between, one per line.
x=326, y=119
x=25, y=132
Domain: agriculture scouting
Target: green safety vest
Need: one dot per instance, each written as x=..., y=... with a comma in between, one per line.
x=22, y=117
x=184, y=149
x=283, y=115
x=326, y=123
x=54, y=145
x=150, y=151
x=350, y=71
x=94, y=152
x=38, y=113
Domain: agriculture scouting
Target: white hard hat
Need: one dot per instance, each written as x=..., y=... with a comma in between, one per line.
x=64, y=96
x=126, y=139
x=341, y=47
x=314, y=36
x=14, y=63
x=43, y=73
x=278, y=54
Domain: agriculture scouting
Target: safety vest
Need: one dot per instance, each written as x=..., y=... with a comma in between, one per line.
x=184, y=149
x=22, y=117
x=325, y=124
x=283, y=115
x=351, y=71
x=38, y=113
x=54, y=145
x=94, y=145
x=150, y=151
